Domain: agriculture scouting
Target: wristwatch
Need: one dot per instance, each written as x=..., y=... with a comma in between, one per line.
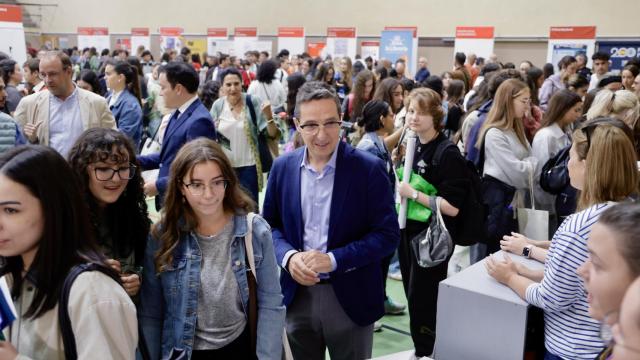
x=414, y=196
x=526, y=251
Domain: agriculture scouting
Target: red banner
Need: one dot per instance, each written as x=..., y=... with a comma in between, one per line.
x=341, y=32
x=572, y=32
x=474, y=32
x=139, y=31
x=246, y=32
x=370, y=43
x=10, y=13
x=93, y=31
x=404, y=28
x=217, y=32
x=291, y=32
x=171, y=31
x=315, y=48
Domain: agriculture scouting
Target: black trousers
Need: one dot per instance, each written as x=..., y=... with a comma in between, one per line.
x=421, y=288
x=240, y=348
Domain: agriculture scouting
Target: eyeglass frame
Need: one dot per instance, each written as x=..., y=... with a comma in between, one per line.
x=42, y=76
x=132, y=172
x=302, y=127
x=190, y=189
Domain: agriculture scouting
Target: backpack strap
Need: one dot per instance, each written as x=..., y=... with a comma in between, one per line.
x=252, y=111
x=440, y=149
x=252, y=281
x=68, y=338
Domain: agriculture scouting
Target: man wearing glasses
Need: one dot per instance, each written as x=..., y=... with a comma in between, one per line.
x=57, y=116
x=330, y=210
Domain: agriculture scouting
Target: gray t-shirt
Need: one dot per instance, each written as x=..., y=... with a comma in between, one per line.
x=221, y=318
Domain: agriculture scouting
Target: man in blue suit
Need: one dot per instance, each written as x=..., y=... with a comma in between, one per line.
x=330, y=210
x=178, y=86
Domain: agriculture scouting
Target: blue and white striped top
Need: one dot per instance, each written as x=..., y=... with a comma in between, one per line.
x=569, y=330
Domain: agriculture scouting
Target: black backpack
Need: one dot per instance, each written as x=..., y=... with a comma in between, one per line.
x=472, y=214
x=68, y=338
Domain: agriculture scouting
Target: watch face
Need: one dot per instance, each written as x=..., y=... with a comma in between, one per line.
x=525, y=252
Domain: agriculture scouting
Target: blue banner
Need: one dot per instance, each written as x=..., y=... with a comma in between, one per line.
x=397, y=44
x=620, y=51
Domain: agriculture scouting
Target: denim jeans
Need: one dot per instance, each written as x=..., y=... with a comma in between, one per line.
x=550, y=356
x=248, y=177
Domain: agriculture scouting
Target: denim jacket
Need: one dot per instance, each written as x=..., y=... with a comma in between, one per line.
x=169, y=300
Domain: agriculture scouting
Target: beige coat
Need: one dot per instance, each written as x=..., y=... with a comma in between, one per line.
x=35, y=107
x=103, y=319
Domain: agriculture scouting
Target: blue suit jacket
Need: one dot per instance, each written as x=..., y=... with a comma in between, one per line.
x=193, y=123
x=363, y=227
x=128, y=115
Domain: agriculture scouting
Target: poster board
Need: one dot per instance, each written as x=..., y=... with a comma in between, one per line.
x=214, y=36
x=341, y=42
x=245, y=39
x=570, y=40
x=475, y=39
x=12, y=40
x=397, y=44
x=140, y=37
x=316, y=48
x=370, y=48
x=171, y=38
x=412, y=61
x=97, y=37
x=292, y=39
x=620, y=52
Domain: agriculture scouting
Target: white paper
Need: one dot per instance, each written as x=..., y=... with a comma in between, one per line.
x=406, y=176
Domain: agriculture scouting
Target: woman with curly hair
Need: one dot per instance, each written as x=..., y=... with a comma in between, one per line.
x=105, y=165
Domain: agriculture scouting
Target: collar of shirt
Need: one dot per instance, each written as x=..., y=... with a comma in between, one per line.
x=330, y=165
x=186, y=105
x=71, y=97
x=556, y=131
x=39, y=86
x=114, y=97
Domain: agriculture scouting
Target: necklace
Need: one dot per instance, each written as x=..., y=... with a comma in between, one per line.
x=234, y=106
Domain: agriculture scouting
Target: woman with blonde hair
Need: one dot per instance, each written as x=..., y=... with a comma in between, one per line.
x=197, y=295
x=508, y=163
x=622, y=104
x=602, y=166
x=344, y=78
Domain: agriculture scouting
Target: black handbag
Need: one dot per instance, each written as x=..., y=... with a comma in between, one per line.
x=266, y=159
x=554, y=177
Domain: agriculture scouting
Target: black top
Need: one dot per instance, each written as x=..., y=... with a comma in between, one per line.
x=448, y=177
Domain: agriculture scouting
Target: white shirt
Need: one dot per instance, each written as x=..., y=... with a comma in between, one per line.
x=237, y=147
x=595, y=79
x=65, y=122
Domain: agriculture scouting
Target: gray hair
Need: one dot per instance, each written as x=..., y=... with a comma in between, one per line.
x=315, y=90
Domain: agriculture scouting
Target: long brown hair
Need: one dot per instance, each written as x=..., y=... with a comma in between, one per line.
x=502, y=114
x=611, y=172
x=359, y=95
x=384, y=92
x=177, y=215
x=559, y=104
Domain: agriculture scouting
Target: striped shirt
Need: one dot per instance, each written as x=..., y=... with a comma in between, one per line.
x=569, y=330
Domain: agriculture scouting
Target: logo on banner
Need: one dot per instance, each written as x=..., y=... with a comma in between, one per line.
x=397, y=44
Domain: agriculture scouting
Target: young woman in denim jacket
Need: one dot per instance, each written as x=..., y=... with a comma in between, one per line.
x=195, y=293
x=377, y=122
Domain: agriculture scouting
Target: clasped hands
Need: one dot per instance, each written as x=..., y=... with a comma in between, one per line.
x=305, y=266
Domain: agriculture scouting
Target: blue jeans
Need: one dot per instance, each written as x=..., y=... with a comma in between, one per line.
x=550, y=356
x=248, y=177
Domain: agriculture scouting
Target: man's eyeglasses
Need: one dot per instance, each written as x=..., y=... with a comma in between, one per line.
x=52, y=74
x=313, y=128
x=198, y=188
x=107, y=173
x=588, y=128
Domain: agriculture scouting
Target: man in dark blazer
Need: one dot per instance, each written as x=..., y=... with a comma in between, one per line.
x=179, y=86
x=331, y=212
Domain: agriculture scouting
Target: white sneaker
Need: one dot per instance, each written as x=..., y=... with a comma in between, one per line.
x=377, y=326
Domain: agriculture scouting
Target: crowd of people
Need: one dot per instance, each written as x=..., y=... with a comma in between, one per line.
x=277, y=179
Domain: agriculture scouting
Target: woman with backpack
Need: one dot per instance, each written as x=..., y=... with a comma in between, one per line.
x=602, y=166
x=104, y=162
x=448, y=184
x=46, y=234
x=565, y=107
x=508, y=166
x=201, y=296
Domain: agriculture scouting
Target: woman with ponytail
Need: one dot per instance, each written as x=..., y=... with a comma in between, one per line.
x=124, y=99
